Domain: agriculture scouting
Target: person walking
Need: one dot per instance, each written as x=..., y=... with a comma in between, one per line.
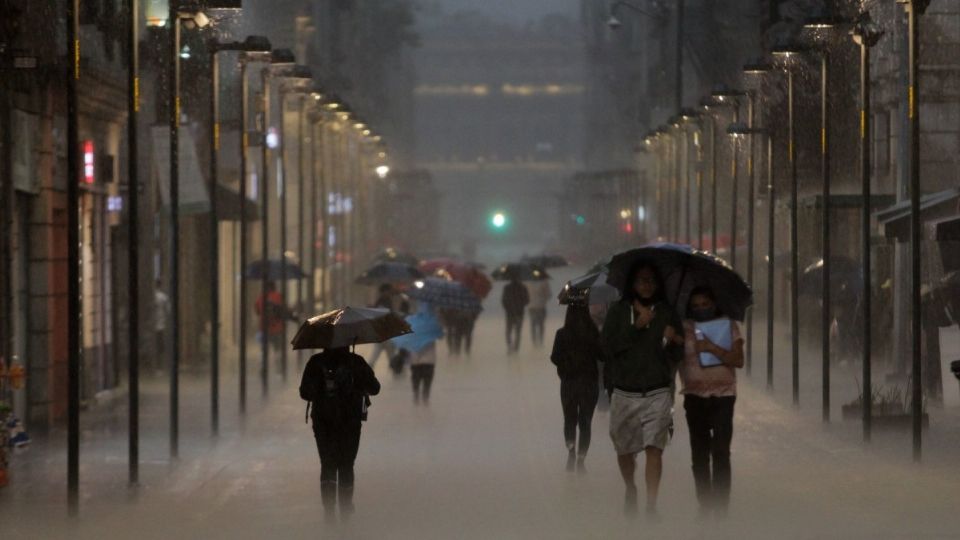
x=273, y=315
x=540, y=294
x=422, y=366
x=713, y=351
x=161, y=314
x=576, y=351
x=514, y=300
x=386, y=299
x=337, y=384
x=641, y=337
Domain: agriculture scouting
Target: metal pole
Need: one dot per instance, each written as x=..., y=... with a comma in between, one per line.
x=244, y=242
x=265, y=227
x=700, y=187
x=214, y=243
x=713, y=183
x=677, y=164
x=771, y=257
x=914, y=9
x=825, y=229
x=282, y=173
x=301, y=197
x=174, y=119
x=312, y=230
x=794, y=245
x=74, y=306
x=678, y=70
x=133, y=242
x=686, y=175
x=752, y=180
x=865, y=233
x=734, y=178
x=323, y=141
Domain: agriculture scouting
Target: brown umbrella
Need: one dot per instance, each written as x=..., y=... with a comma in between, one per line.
x=349, y=326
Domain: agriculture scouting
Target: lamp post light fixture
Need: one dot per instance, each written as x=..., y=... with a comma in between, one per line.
x=822, y=26
x=866, y=34
x=739, y=131
x=253, y=45
x=787, y=54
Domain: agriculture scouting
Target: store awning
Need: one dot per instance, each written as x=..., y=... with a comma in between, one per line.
x=194, y=196
x=895, y=220
x=229, y=204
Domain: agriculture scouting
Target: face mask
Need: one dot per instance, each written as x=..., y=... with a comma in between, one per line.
x=702, y=315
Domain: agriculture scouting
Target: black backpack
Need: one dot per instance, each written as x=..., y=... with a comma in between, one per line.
x=335, y=394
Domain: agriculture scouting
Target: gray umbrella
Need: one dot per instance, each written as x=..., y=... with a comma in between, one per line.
x=349, y=326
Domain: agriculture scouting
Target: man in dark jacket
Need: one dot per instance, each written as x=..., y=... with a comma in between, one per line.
x=514, y=300
x=337, y=382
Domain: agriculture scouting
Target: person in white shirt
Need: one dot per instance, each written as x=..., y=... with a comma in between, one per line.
x=540, y=294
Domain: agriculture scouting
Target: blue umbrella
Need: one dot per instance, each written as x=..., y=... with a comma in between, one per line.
x=426, y=330
x=684, y=268
x=446, y=294
x=276, y=270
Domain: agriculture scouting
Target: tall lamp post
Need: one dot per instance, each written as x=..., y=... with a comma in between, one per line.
x=822, y=26
x=866, y=33
x=728, y=96
x=279, y=58
x=133, y=240
x=787, y=54
x=251, y=45
x=295, y=80
x=913, y=9
x=709, y=108
x=74, y=305
x=690, y=118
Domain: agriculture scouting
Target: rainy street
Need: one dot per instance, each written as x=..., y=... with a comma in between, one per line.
x=487, y=269
x=486, y=459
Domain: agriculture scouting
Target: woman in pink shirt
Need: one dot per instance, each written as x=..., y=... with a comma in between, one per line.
x=708, y=375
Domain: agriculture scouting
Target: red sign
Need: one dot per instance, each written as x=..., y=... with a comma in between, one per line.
x=88, y=160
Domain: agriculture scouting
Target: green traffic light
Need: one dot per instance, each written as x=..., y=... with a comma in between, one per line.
x=498, y=220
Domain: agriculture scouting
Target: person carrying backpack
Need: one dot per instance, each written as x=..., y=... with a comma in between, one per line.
x=337, y=384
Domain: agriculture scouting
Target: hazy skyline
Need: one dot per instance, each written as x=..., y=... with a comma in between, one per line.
x=513, y=10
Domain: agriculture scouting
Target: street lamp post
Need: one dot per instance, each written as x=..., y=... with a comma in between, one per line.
x=913, y=9
x=787, y=53
x=690, y=117
x=74, y=306
x=708, y=106
x=278, y=58
x=133, y=241
x=252, y=45
x=727, y=96
x=866, y=34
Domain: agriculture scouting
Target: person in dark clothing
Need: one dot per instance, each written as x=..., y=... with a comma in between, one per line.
x=641, y=336
x=337, y=384
x=576, y=350
x=514, y=300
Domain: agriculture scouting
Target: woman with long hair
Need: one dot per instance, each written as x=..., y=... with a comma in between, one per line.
x=576, y=350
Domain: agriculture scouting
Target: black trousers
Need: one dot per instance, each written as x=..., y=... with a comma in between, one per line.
x=579, y=400
x=514, y=327
x=338, y=447
x=538, y=318
x=711, y=429
x=422, y=377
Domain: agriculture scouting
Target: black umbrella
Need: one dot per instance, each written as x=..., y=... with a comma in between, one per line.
x=447, y=294
x=520, y=271
x=349, y=326
x=389, y=272
x=843, y=270
x=684, y=268
x=589, y=289
x=276, y=270
x=547, y=260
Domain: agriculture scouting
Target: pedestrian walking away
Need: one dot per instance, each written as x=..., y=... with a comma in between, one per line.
x=576, y=351
x=713, y=351
x=514, y=300
x=422, y=366
x=641, y=336
x=337, y=384
x=387, y=298
x=161, y=314
x=540, y=294
x=273, y=315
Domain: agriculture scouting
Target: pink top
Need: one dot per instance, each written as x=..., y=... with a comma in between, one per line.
x=701, y=381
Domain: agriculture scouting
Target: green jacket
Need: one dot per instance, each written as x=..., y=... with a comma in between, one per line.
x=636, y=358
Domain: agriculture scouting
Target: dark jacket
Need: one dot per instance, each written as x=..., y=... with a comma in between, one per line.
x=637, y=359
x=336, y=382
x=515, y=298
x=576, y=356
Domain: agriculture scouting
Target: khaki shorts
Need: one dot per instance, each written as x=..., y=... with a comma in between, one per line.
x=639, y=421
